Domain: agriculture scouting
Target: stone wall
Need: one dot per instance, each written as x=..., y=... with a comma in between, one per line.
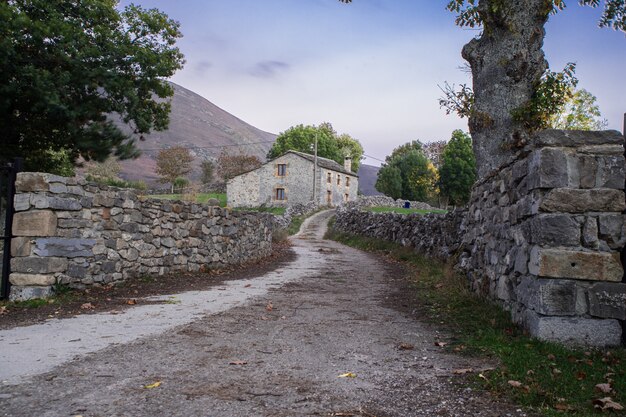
x=542, y=236
x=72, y=232
x=384, y=201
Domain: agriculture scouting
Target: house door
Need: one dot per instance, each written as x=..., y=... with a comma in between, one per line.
x=329, y=197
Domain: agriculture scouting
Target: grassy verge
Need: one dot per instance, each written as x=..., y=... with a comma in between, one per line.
x=402, y=210
x=279, y=211
x=201, y=198
x=541, y=376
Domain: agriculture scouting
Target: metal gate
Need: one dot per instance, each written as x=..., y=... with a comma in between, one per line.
x=8, y=172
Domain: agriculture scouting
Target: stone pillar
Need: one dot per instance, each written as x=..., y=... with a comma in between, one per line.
x=560, y=271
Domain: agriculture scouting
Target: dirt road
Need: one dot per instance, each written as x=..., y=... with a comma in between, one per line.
x=280, y=353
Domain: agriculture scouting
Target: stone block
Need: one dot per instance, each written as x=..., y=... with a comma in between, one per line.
x=574, y=331
x=569, y=264
x=587, y=169
x=21, y=246
x=608, y=300
x=42, y=201
x=612, y=229
x=28, y=182
x=34, y=265
x=571, y=200
x=590, y=233
x=69, y=248
x=77, y=271
x=548, y=169
x=35, y=223
x=25, y=280
x=58, y=188
x=601, y=149
x=554, y=230
x=576, y=138
x=21, y=202
x=548, y=296
x=610, y=172
x=28, y=293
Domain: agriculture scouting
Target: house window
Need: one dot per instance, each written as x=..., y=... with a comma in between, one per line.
x=280, y=194
x=330, y=177
x=329, y=197
x=282, y=170
x=347, y=181
x=346, y=197
x=338, y=179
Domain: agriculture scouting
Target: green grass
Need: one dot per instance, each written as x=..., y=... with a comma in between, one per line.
x=402, y=210
x=554, y=379
x=296, y=222
x=274, y=210
x=202, y=197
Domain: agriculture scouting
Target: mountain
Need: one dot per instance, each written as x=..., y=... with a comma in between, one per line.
x=367, y=178
x=198, y=124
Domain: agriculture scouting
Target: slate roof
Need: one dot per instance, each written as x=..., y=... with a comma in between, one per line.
x=323, y=162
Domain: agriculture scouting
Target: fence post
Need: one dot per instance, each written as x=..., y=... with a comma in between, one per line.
x=5, y=285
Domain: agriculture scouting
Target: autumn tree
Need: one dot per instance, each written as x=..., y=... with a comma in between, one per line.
x=579, y=112
x=330, y=145
x=511, y=84
x=67, y=66
x=173, y=163
x=231, y=165
x=457, y=173
x=508, y=64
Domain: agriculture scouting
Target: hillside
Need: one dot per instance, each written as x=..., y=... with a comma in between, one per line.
x=367, y=179
x=197, y=123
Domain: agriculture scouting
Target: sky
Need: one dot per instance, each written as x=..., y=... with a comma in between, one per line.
x=372, y=68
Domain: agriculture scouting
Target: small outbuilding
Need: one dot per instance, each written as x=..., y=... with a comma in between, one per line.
x=293, y=178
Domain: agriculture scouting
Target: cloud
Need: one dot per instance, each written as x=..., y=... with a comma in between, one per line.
x=268, y=69
x=202, y=67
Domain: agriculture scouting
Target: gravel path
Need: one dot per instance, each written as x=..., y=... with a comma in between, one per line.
x=277, y=350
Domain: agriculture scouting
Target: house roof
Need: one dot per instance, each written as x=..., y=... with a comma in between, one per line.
x=324, y=162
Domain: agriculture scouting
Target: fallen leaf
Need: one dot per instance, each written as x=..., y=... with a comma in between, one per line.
x=556, y=371
x=264, y=318
x=563, y=407
x=3, y=310
x=530, y=372
x=247, y=285
x=154, y=385
x=515, y=384
x=347, y=375
x=441, y=344
x=581, y=375
x=463, y=371
x=605, y=388
x=406, y=346
x=438, y=286
x=269, y=306
x=607, y=403
x=238, y=363
x=131, y=301
x=551, y=357
x=482, y=377
x=87, y=306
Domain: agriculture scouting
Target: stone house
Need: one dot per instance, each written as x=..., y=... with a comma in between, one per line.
x=294, y=178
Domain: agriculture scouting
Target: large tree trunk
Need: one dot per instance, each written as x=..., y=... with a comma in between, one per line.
x=507, y=63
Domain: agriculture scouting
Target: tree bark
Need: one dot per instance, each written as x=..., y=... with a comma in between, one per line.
x=507, y=64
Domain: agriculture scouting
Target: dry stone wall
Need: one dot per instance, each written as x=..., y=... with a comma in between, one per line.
x=72, y=232
x=542, y=236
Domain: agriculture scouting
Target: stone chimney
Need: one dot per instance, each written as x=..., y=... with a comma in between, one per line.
x=347, y=164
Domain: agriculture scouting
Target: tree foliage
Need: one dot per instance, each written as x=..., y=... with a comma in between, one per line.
x=173, y=163
x=107, y=169
x=579, y=112
x=330, y=145
x=67, y=66
x=458, y=169
x=231, y=165
x=469, y=14
x=208, y=169
x=408, y=174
